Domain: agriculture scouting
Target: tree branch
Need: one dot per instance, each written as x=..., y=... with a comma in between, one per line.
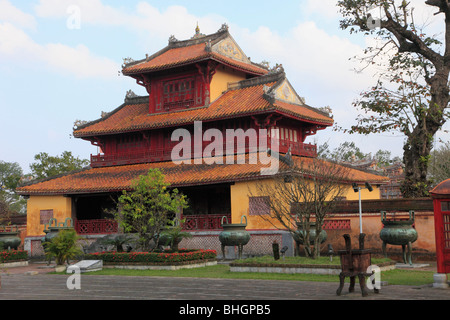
x=409, y=41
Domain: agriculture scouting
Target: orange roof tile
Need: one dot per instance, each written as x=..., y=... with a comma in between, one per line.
x=174, y=57
x=247, y=100
x=118, y=178
x=196, y=49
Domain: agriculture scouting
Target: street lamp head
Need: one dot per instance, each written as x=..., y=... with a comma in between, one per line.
x=355, y=187
x=369, y=187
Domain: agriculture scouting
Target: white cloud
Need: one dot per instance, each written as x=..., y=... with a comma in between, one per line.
x=9, y=13
x=325, y=8
x=144, y=19
x=16, y=45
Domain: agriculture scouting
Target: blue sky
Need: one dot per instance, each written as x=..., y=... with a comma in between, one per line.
x=60, y=62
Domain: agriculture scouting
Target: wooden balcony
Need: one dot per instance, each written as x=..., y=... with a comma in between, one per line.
x=96, y=226
x=158, y=155
x=206, y=222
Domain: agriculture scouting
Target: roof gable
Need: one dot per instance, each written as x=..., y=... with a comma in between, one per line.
x=219, y=46
x=286, y=93
x=229, y=48
x=248, y=97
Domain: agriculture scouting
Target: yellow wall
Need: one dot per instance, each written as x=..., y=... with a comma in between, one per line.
x=241, y=191
x=365, y=194
x=62, y=209
x=221, y=78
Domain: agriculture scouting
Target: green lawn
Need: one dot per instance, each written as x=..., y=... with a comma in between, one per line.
x=222, y=271
x=302, y=260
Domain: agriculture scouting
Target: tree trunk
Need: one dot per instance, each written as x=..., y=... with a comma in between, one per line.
x=415, y=157
x=417, y=149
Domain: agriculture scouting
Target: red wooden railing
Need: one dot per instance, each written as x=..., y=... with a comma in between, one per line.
x=207, y=222
x=297, y=148
x=96, y=226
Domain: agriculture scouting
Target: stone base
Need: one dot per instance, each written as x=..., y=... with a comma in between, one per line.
x=440, y=281
x=86, y=266
x=153, y=267
x=14, y=264
x=411, y=266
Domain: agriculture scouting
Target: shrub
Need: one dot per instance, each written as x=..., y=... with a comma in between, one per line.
x=13, y=255
x=165, y=257
x=63, y=247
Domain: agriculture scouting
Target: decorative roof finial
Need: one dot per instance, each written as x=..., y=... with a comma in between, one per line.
x=197, y=33
x=197, y=30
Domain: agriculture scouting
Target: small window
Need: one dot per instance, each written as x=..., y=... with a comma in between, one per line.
x=45, y=216
x=445, y=205
x=179, y=93
x=259, y=206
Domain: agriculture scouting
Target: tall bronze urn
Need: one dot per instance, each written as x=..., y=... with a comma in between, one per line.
x=9, y=239
x=399, y=232
x=234, y=235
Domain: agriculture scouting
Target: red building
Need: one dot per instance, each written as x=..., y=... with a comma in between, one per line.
x=205, y=80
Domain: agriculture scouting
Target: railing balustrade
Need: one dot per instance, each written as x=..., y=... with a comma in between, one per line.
x=206, y=222
x=96, y=226
x=297, y=148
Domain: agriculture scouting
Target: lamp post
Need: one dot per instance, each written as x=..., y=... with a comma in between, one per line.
x=357, y=188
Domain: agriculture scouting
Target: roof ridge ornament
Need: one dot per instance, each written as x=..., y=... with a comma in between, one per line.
x=208, y=46
x=278, y=68
x=172, y=39
x=127, y=61
x=223, y=28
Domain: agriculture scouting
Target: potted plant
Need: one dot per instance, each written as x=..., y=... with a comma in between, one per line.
x=63, y=247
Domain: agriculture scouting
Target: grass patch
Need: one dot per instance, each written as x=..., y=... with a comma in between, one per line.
x=222, y=271
x=407, y=277
x=302, y=260
x=219, y=271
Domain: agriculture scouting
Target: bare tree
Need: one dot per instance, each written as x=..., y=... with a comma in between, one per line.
x=301, y=194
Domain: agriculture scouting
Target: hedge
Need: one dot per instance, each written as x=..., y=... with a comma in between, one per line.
x=13, y=255
x=153, y=257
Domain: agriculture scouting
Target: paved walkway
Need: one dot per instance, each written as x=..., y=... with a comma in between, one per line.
x=34, y=283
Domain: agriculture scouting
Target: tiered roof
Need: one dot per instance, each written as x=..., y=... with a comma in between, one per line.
x=118, y=178
x=248, y=97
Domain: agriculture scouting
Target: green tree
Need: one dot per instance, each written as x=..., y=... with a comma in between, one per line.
x=344, y=152
x=10, y=203
x=47, y=166
x=148, y=207
x=412, y=93
x=439, y=169
x=383, y=157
